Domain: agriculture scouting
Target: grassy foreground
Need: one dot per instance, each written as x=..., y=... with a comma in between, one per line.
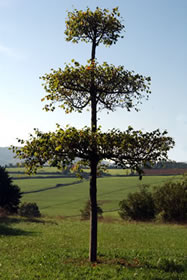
x=56, y=249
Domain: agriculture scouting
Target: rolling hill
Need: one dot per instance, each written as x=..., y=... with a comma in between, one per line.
x=7, y=157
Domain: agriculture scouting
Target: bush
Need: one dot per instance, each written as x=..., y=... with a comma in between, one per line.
x=10, y=194
x=169, y=265
x=29, y=210
x=85, y=213
x=168, y=203
x=171, y=201
x=138, y=206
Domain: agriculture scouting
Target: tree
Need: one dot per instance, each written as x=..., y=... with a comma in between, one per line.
x=10, y=194
x=101, y=87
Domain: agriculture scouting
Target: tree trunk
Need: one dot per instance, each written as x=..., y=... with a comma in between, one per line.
x=93, y=212
x=93, y=167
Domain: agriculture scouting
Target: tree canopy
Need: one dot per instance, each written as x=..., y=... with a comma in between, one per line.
x=10, y=194
x=128, y=149
x=99, y=26
x=114, y=87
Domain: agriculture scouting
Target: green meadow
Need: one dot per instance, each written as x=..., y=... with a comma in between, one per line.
x=43, y=169
x=55, y=247
x=66, y=196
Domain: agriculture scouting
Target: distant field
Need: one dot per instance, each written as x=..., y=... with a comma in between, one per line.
x=114, y=172
x=44, y=169
x=43, y=175
x=68, y=199
x=167, y=171
x=118, y=171
x=56, y=170
x=70, y=194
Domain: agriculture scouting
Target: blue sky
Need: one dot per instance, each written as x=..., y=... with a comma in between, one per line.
x=32, y=41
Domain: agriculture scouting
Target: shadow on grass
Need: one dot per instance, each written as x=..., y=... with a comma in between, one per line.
x=54, y=187
x=16, y=220
x=6, y=230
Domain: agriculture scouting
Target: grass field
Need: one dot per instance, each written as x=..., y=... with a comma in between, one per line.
x=71, y=195
x=22, y=169
x=57, y=249
x=46, y=169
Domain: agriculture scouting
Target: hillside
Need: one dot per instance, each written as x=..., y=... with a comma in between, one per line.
x=6, y=156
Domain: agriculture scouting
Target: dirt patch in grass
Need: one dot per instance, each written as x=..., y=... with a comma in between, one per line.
x=101, y=202
x=134, y=263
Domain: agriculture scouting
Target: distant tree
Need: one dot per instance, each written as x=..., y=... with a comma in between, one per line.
x=10, y=194
x=99, y=87
x=169, y=164
x=85, y=212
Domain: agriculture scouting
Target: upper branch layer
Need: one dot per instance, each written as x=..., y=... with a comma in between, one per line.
x=100, y=26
